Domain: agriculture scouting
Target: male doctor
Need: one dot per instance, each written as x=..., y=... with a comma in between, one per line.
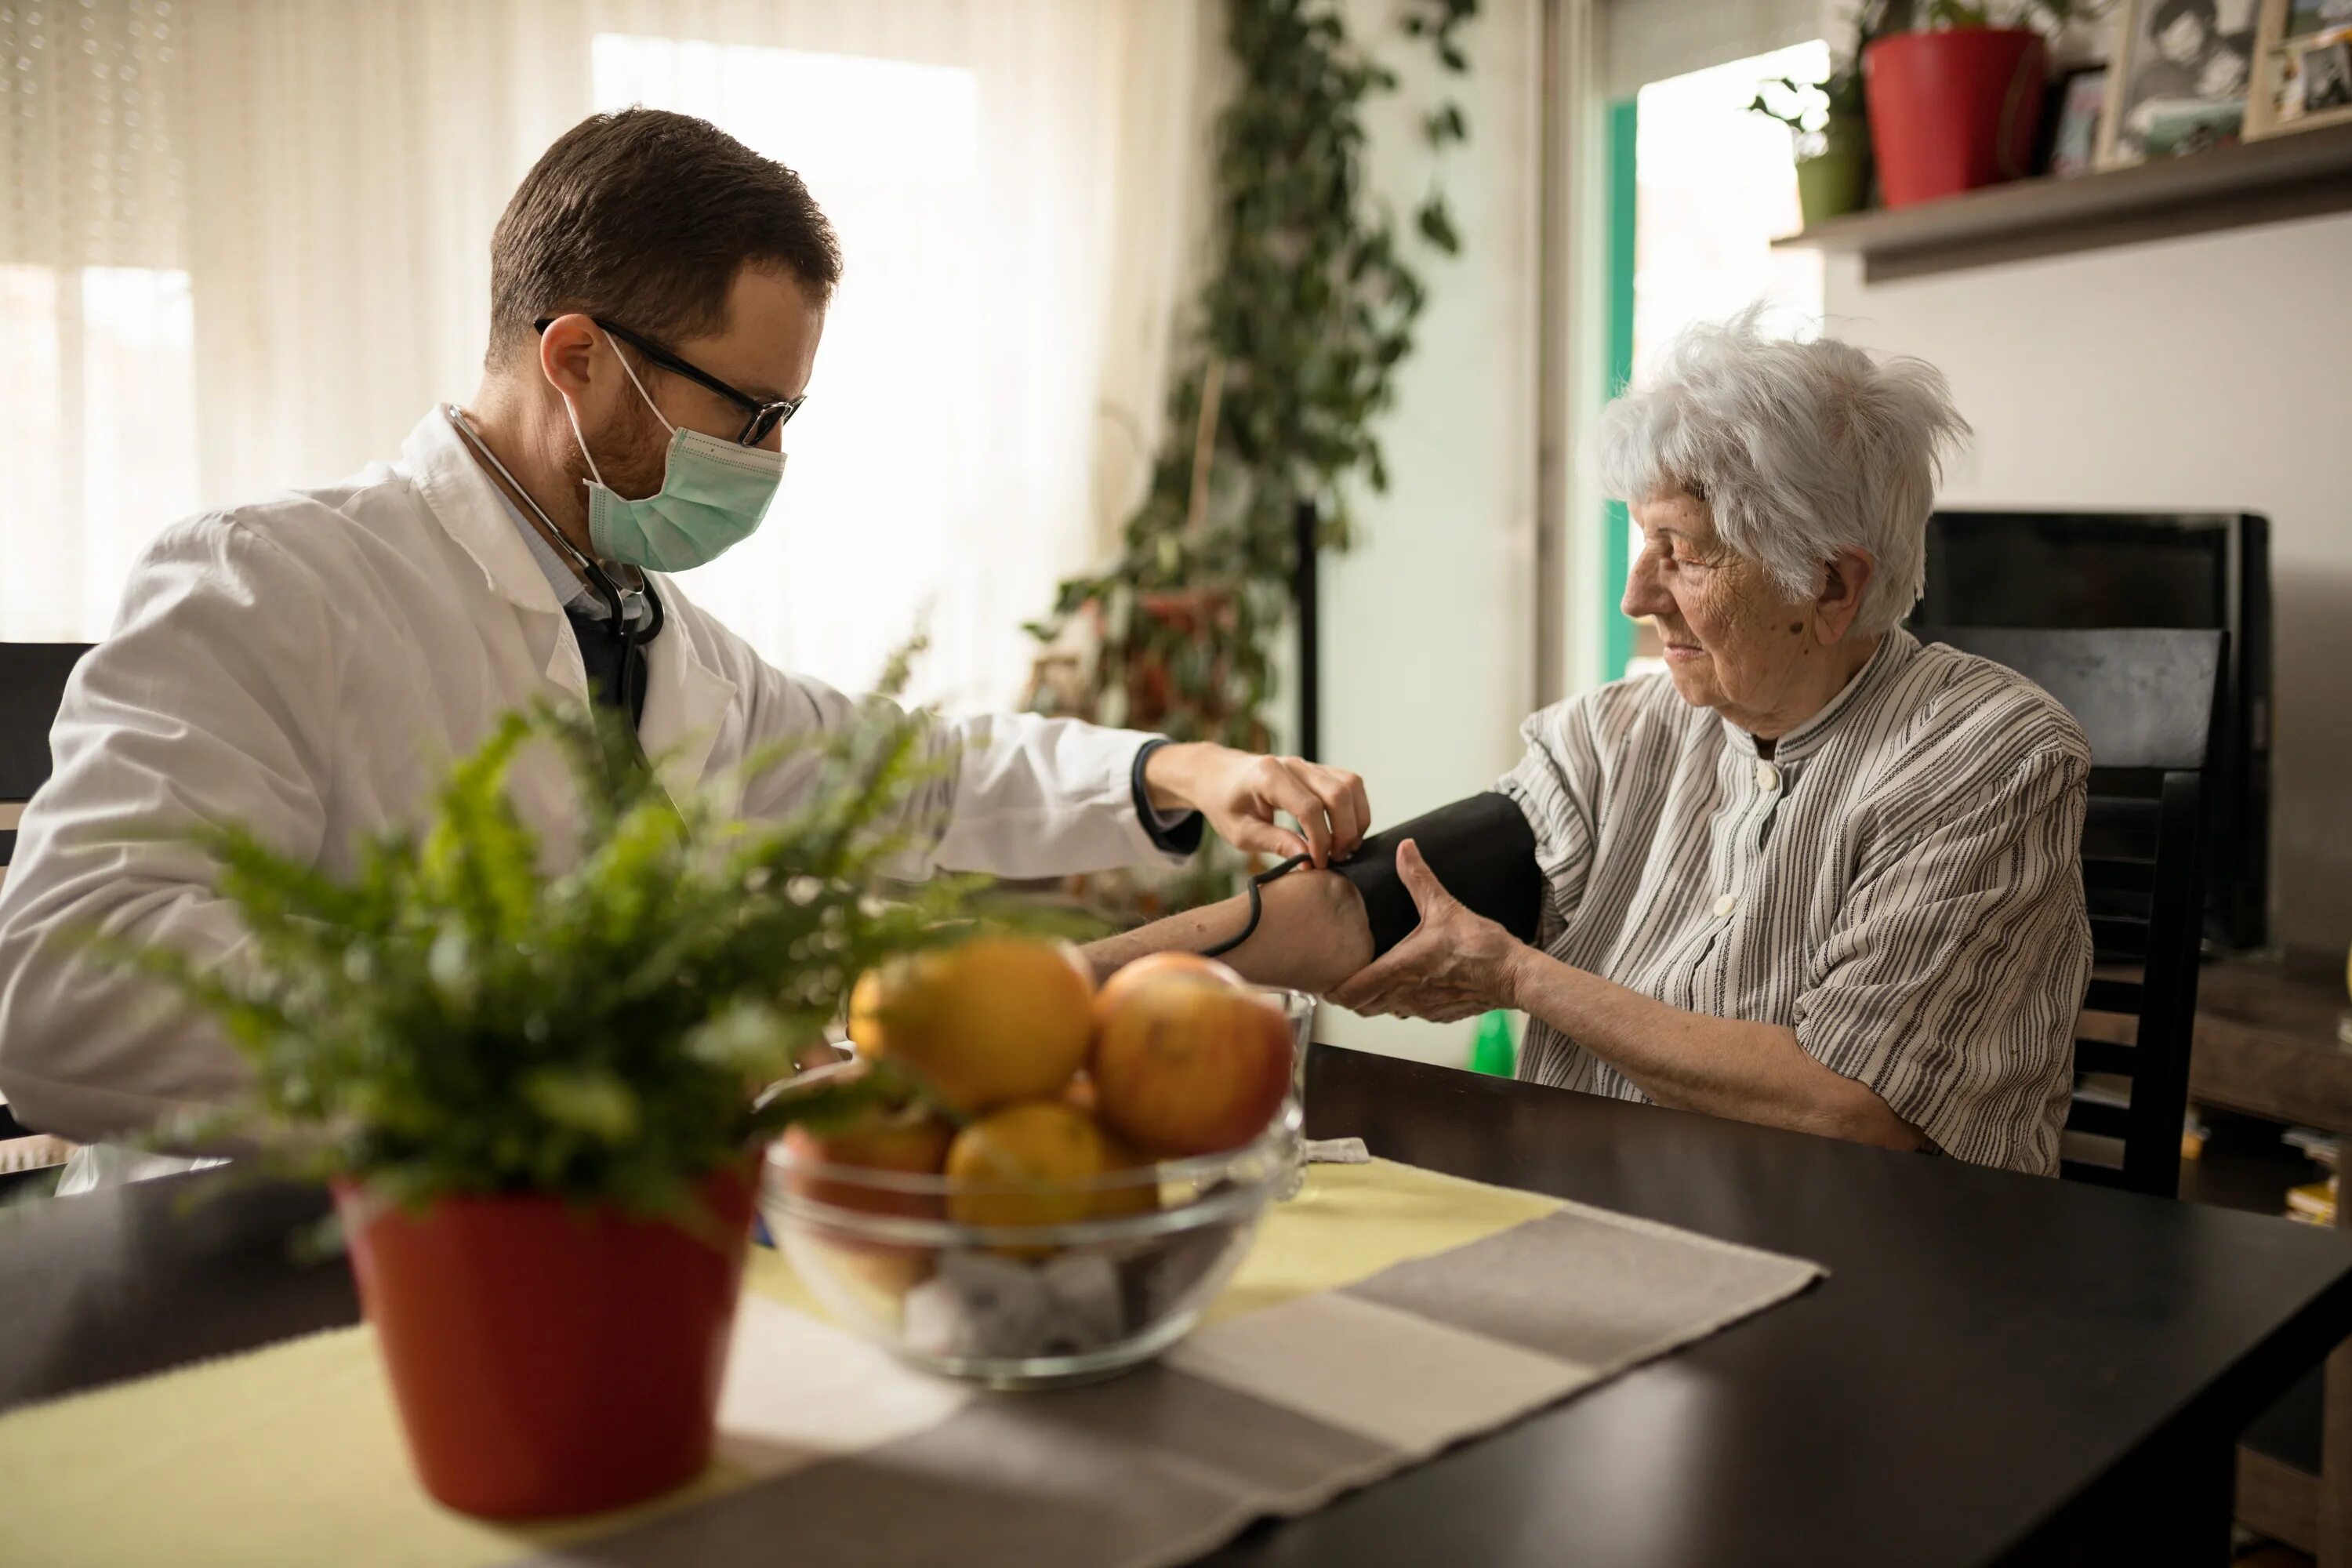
x=309, y=664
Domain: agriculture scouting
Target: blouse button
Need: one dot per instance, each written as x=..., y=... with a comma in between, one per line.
x=1768, y=777
x=1725, y=904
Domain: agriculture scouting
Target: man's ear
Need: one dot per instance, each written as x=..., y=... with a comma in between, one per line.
x=1845, y=578
x=567, y=352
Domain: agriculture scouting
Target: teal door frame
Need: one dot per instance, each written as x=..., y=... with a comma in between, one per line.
x=1617, y=635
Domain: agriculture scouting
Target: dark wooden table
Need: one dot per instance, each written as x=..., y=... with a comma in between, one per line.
x=1997, y=1368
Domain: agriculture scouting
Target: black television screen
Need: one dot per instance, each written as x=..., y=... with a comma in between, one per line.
x=2086, y=569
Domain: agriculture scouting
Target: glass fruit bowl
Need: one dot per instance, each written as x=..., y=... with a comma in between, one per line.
x=1033, y=1305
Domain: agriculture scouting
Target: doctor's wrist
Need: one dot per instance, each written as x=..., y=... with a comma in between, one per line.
x=1171, y=774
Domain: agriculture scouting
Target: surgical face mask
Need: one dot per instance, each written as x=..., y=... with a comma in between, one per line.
x=713, y=494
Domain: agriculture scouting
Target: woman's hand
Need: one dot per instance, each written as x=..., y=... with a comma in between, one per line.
x=1456, y=964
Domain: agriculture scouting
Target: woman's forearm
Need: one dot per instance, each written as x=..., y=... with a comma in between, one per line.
x=1312, y=935
x=1723, y=1066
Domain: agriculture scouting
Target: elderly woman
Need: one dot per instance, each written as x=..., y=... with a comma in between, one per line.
x=1816, y=874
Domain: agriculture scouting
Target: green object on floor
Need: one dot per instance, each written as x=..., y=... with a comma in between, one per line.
x=1491, y=1052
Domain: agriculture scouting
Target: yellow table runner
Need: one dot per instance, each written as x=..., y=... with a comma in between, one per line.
x=293, y=1454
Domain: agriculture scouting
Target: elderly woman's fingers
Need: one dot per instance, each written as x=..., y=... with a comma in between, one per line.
x=1429, y=894
x=1372, y=983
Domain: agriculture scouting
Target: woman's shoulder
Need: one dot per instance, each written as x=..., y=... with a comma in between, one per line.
x=1963, y=703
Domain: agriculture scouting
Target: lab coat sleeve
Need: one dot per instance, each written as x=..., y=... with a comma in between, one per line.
x=205, y=707
x=1015, y=794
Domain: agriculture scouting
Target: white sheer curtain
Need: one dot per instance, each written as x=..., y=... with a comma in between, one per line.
x=244, y=243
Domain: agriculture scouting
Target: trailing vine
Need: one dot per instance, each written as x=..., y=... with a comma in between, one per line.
x=1298, y=333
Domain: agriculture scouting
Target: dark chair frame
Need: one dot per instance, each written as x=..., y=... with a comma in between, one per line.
x=33, y=679
x=2150, y=701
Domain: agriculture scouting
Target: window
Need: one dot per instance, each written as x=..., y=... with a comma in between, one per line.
x=1715, y=185
x=882, y=521
x=1007, y=220
x=98, y=449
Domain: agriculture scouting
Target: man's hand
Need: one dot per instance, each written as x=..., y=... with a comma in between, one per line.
x=1240, y=795
x=1457, y=965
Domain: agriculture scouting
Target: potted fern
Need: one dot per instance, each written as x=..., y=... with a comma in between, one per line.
x=533, y=1092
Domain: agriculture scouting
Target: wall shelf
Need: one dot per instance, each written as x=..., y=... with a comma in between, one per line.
x=2295, y=175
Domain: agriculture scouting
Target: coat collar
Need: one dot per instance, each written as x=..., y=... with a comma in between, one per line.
x=465, y=501
x=686, y=699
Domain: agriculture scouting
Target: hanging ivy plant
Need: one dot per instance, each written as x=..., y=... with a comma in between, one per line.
x=1298, y=333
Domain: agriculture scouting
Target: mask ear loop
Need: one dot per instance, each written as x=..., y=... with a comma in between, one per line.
x=1256, y=905
x=573, y=414
x=632, y=375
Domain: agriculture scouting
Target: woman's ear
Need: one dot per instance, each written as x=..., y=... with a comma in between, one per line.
x=1845, y=578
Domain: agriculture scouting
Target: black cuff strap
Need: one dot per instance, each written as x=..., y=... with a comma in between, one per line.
x=1481, y=848
x=1258, y=905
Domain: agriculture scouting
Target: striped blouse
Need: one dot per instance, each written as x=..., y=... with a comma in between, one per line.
x=1899, y=883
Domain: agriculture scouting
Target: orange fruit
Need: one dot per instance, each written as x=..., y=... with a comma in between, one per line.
x=1119, y=1199
x=997, y=1020
x=1037, y=1164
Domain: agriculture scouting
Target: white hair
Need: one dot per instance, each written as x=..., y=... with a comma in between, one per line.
x=1800, y=448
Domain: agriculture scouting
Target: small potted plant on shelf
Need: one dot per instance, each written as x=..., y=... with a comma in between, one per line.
x=1956, y=93
x=533, y=1092
x=1829, y=121
x=1832, y=139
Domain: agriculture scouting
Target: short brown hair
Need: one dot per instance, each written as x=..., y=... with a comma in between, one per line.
x=646, y=216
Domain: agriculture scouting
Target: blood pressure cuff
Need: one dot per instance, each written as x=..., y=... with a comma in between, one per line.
x=1481, y=848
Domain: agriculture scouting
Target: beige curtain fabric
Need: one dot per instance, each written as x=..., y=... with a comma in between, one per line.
x=295, y=199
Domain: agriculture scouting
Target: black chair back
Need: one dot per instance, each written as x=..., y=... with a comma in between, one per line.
x=32, y=683
x=2149, y=700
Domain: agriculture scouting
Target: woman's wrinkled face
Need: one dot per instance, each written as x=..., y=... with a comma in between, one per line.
x=1734, y=641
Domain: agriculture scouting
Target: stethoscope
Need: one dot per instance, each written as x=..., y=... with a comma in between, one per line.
x=619, y=602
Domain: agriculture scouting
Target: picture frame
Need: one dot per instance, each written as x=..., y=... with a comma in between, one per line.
x=2177, y=77
x=2082, y=106
x=2303, y=52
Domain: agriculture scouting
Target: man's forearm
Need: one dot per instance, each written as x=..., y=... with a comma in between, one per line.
x=1724, y=1067
x=1312, y=935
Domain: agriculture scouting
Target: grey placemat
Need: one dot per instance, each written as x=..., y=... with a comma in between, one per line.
x=1275, y=1412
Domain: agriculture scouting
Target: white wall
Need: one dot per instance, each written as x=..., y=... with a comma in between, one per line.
x=2203, y=372
x=1428, y=640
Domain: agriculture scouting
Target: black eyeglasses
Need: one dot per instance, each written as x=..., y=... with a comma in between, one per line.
x=765, y=416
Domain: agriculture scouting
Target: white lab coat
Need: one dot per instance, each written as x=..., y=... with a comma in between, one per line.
x=309, y=666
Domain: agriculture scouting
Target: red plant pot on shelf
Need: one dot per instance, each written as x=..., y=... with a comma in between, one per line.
x=547, y=1361
x=1954, y=110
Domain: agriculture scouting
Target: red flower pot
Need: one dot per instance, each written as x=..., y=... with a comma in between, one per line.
x=1951, y=112
x=546, y=1361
